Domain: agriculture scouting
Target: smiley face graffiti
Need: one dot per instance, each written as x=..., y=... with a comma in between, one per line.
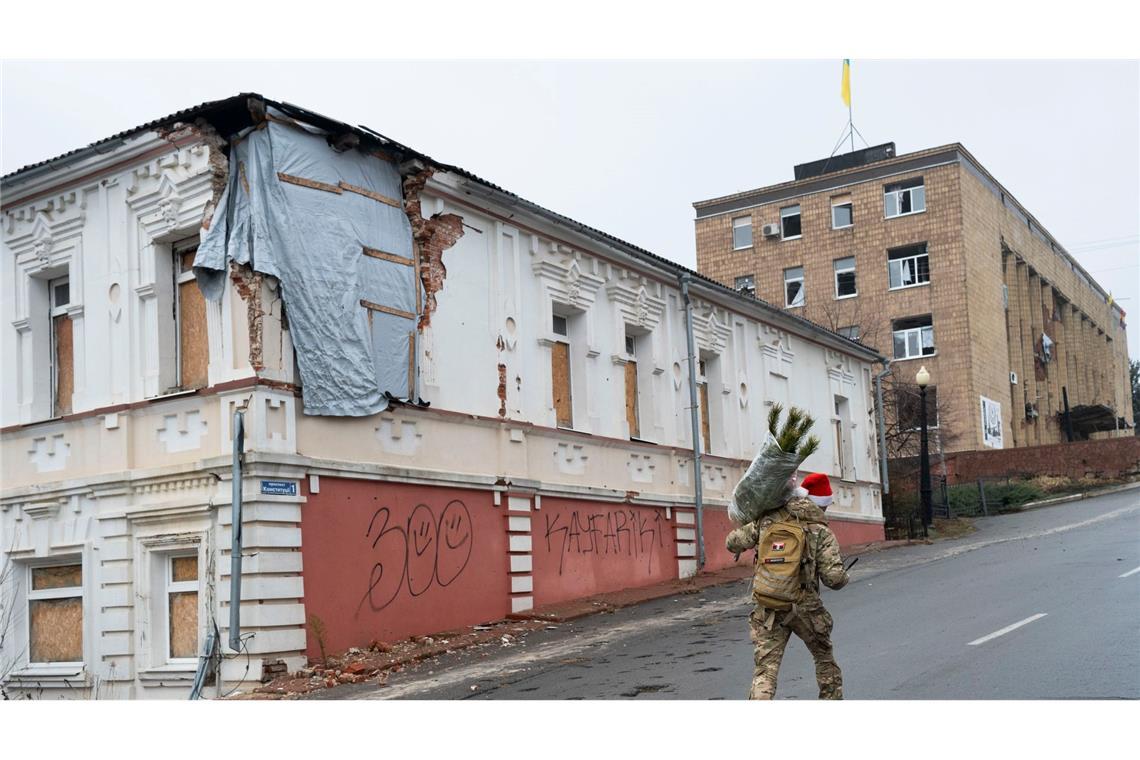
x=425, y=550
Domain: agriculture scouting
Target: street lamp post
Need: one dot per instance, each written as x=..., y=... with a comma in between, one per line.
x=923, y=379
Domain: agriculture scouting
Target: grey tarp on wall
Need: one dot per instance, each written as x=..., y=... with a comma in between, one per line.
x=313, y=240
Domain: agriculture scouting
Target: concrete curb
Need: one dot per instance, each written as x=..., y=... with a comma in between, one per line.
x=1073, y=497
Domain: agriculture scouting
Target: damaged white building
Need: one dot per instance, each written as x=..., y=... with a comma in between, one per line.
x=457, y=405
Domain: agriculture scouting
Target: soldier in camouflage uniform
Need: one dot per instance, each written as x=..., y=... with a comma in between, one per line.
x=807, y=619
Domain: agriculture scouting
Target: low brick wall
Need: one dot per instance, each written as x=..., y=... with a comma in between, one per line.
x=1109, y=459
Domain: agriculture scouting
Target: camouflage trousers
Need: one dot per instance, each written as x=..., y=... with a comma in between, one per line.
x=812, y=623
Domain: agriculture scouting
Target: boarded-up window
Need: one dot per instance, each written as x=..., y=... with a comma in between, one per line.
x=62, y=347
x=55, y=614
x=182, y=606
x=631, y=399
x=560, y=375
x=193, y=344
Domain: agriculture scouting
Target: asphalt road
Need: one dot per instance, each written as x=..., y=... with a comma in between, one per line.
x=1031, y=606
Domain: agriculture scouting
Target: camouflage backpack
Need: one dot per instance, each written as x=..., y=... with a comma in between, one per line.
x=783, y=552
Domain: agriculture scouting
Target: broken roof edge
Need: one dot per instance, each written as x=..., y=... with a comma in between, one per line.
x=745, y=305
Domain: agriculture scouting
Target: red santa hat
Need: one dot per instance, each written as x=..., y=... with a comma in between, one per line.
x=818, y=489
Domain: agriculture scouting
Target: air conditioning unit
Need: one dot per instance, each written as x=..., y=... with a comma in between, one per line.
x=770, y=230
x=1013, y=378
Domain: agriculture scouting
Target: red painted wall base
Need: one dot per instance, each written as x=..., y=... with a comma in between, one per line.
x=385, y=561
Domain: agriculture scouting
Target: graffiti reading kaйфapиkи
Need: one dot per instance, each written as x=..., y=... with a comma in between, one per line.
x=602, y=533
x=424, y=550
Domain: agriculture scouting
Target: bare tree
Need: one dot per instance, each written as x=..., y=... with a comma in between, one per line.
x=10, y=653
x=836, y=314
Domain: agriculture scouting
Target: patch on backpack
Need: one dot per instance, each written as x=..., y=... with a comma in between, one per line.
x=778, y=546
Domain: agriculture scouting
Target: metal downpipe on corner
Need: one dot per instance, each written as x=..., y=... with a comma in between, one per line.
x=694, y=410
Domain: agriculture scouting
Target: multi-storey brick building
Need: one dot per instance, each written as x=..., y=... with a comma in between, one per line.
x=928, y=258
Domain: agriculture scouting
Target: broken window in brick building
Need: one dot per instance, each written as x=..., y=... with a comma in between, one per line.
x=790, y=222
x=902, y=198
x=844, y=277
x=908, y=266
x=913, y=336
x=794, y=287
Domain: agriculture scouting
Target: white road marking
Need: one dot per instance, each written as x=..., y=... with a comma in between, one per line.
x=1131, y=572
x=1007, y=629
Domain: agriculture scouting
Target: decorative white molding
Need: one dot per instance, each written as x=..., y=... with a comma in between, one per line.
x=169, y=194
x=571, y=458
x=710, y=331
x=44, y=509
x=49, y=453
x=630, y=293
x=182, y=431
x=641, y=468
x=567, y=275
x=398, y=437
x=172, y=485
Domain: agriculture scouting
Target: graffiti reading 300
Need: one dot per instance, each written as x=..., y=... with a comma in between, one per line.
x=621, y=532
x=419, y=553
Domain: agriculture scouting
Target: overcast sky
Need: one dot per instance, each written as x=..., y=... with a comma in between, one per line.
x=627, y=147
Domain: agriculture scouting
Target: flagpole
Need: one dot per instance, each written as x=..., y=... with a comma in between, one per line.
x=850, y=118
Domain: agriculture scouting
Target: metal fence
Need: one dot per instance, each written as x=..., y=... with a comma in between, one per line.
x=902, y=514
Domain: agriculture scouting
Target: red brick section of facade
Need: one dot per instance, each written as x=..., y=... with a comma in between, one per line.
x=1109, y=459
x=998, y=282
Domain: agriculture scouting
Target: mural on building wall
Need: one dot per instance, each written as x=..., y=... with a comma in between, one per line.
x=991, y=423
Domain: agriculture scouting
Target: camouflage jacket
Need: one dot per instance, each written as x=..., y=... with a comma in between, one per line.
x=824, y=560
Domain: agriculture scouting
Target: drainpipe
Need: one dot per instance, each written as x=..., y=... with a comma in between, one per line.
x=235, y=532
x=882, y=427
x=694, y=411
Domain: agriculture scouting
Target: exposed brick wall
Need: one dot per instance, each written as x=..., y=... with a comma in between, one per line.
x=1110, y=459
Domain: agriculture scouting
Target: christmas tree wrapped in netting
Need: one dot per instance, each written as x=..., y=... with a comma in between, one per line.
x=766, y=485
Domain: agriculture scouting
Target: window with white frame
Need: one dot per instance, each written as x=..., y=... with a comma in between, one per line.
x=745, y=284
x=845, y=277
x=842, y=212
x=902, y=198
x=794, y=287
x=55, y=613
x=790, y=222
x=62, y=347
x=908, y=266
x=741, y=232
x=913, y=337
x=181, y=608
